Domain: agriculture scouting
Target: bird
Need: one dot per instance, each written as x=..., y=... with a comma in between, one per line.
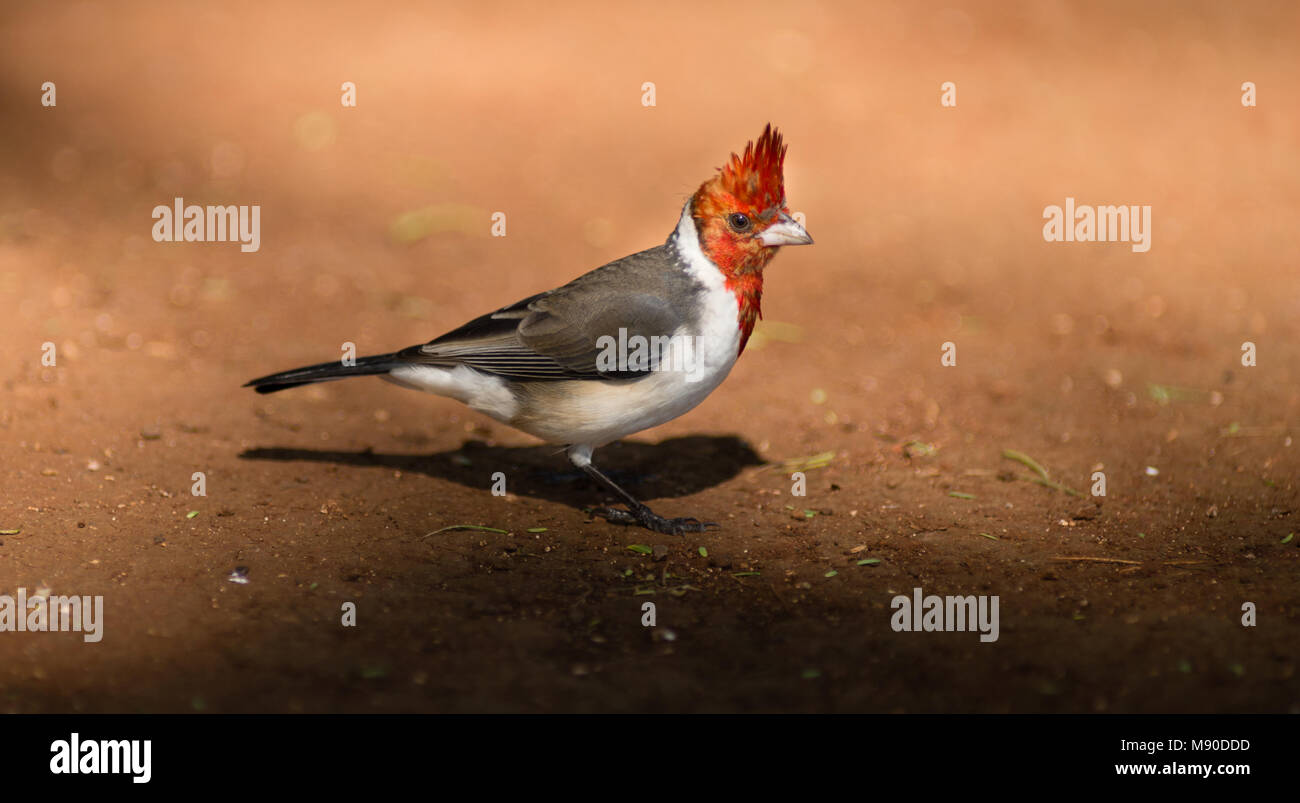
x=625, y=347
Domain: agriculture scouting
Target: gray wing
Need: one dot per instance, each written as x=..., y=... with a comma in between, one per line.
x=557, y=334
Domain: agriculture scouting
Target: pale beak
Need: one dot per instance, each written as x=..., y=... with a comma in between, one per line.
x=785, y=231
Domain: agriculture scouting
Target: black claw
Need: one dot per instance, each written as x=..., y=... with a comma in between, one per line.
x=650, y=520
x=613, y=514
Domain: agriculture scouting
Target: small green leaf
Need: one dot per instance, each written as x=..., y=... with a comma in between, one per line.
x=1025, y=460
x=704, y=553
x=642, y=548
x=746, y=574
x=919, y=449
x=869, y=561
x=1288, y=538
x=993, y=537
x=960, y=495
x=466, y=527
x=806, y=463
x=15, y=532
x=191, y=514
x=831, y=573
x=536, y=529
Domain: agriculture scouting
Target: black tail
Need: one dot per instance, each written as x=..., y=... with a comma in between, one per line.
x=325, y=372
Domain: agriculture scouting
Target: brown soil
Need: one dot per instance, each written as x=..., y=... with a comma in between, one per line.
x=928, y=225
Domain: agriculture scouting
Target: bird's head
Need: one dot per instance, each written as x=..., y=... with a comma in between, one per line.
x=741, y=214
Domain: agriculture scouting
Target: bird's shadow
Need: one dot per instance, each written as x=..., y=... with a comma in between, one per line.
x=672, y=468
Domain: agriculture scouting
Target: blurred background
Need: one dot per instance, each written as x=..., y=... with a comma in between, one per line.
x=376, y=229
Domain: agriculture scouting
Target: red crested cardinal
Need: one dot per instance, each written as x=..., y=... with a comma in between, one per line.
x=626, y=347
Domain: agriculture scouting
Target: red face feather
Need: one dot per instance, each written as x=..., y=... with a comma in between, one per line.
x=751, y=186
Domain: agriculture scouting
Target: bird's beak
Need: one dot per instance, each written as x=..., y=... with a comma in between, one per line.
x=785, y=231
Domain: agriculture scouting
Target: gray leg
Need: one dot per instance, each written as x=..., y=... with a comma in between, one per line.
x=638, y=514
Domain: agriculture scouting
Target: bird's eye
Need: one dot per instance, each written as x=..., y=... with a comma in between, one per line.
x=738, y=221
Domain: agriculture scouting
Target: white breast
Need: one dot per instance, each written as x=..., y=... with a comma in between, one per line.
x=597, y=412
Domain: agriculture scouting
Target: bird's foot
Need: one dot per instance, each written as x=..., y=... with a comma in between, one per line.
x=644, y=517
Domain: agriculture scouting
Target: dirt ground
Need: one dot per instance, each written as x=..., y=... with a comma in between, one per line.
x=376, y=230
